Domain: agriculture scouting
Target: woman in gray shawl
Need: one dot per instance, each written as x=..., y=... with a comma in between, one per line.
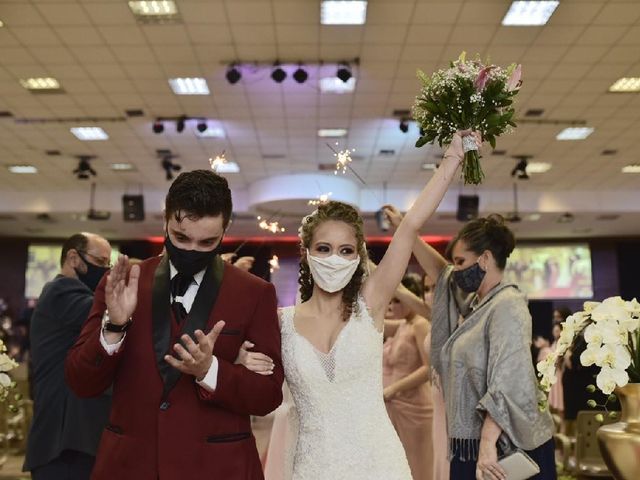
x=480, y=351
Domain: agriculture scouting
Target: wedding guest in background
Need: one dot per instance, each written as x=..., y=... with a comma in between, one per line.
x=407, y=391
x=65, y=432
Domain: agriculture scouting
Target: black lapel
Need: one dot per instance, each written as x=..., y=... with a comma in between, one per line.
x=161, y=315
x=199, y=314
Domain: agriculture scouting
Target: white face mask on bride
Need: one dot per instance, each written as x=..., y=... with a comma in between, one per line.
x=332, y=273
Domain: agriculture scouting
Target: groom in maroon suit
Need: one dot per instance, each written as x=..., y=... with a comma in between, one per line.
x=165, y=334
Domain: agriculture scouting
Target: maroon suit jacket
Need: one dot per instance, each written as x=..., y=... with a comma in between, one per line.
x=162, y=424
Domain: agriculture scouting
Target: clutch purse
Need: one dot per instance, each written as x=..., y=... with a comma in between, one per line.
x=519, y=466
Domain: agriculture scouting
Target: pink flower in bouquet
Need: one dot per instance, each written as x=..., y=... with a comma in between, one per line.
x=514, y=79
x=482, y=78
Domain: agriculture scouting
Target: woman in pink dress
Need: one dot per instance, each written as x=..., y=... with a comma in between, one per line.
x=407, y=390
x=556, y=395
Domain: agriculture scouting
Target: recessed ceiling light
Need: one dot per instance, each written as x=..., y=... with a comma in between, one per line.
x=574, y=133
x=529, y=13
x=122, y=167
x=635, y=168
x=332, y=132
x=335, y=85
x=89, y=133
x=211, y=132
x=430, y=167
x=154, y=8
x=228, y=167
x=538, y=167
x=40, y=83
x=626, y=84
x=22, y=169
x=343, y=12
x=189, y=86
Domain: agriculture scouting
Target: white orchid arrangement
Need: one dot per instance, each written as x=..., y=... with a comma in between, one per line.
x=6, y=365
x=611, y=330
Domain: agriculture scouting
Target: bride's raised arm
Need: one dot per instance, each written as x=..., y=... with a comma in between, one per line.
x=381, y=284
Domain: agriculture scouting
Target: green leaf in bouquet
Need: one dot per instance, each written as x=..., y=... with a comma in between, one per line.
x=493, y=119
x=421, y=142
x=492, y=141
x=423, y=77
x=432, y=106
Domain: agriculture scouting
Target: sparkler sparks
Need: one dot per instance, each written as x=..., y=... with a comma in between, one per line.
x=324, y=198
x=270, y=226
x=218, y=161
x=274, y=264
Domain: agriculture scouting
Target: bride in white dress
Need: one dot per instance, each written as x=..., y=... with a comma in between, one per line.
x=332, y=341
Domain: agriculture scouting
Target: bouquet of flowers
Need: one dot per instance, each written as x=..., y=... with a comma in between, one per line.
x=6, y=364
x=467, y=96
x=611, y=331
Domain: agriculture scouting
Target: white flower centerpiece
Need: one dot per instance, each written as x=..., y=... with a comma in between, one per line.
x=6, y=365
x=611, y=330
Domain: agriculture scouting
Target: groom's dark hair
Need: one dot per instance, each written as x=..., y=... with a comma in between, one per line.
x=197, y=194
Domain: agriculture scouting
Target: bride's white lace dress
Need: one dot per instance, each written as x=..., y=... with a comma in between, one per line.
x=344, y=432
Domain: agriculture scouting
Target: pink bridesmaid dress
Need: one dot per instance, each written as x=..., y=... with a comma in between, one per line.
x=439, y=428
x=410, y=411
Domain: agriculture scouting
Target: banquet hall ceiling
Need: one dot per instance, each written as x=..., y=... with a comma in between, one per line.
x=108, y=63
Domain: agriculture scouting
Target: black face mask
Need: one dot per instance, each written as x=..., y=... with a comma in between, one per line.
x=470, y=278
x=189, y=262
x=93, y=275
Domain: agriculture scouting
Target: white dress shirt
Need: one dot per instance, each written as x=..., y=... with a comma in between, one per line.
x=210, y=380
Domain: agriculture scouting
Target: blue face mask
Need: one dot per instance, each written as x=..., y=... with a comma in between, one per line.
x=469, y=279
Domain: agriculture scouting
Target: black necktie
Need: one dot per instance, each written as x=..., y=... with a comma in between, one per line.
x=179, y=285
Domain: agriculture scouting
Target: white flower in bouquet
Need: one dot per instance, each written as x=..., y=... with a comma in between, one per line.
x=5, y=380
x=610, y=378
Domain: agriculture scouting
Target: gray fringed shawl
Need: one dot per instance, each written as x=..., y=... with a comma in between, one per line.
x=484, y=365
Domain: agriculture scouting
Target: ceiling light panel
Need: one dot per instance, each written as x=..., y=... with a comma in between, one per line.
x=89, y=134
x=626, y=84
x=189, y=86
x=40, y=84
x=343, y=12
x=22, y=169
x=529, y=13
x=335, y=85
x=574, y=133
x=332, y=132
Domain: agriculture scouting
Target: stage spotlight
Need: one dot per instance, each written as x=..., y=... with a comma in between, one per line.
x=180, y=124
x=344, y=73
x=278, y=75
x=404, y=125
x=202, y=126
x=158, y=127
x=520, y=170
x=84, y=170
x=300, y=75
x=233, y=75
x=170, y=167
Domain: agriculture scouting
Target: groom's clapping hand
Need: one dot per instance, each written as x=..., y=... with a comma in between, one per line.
x=195, y=357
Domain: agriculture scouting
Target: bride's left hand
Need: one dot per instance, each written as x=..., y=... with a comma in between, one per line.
x=255, y=361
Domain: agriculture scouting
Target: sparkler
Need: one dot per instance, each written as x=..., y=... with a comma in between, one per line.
x=274, y=264
x=269, y=225
x=324, y=198
x=218, y=161
x=343, y=159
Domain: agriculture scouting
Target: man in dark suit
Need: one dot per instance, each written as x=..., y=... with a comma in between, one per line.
x=166, y=333
x=65, y=432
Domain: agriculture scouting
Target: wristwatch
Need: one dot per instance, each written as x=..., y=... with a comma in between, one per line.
x=113, y=327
